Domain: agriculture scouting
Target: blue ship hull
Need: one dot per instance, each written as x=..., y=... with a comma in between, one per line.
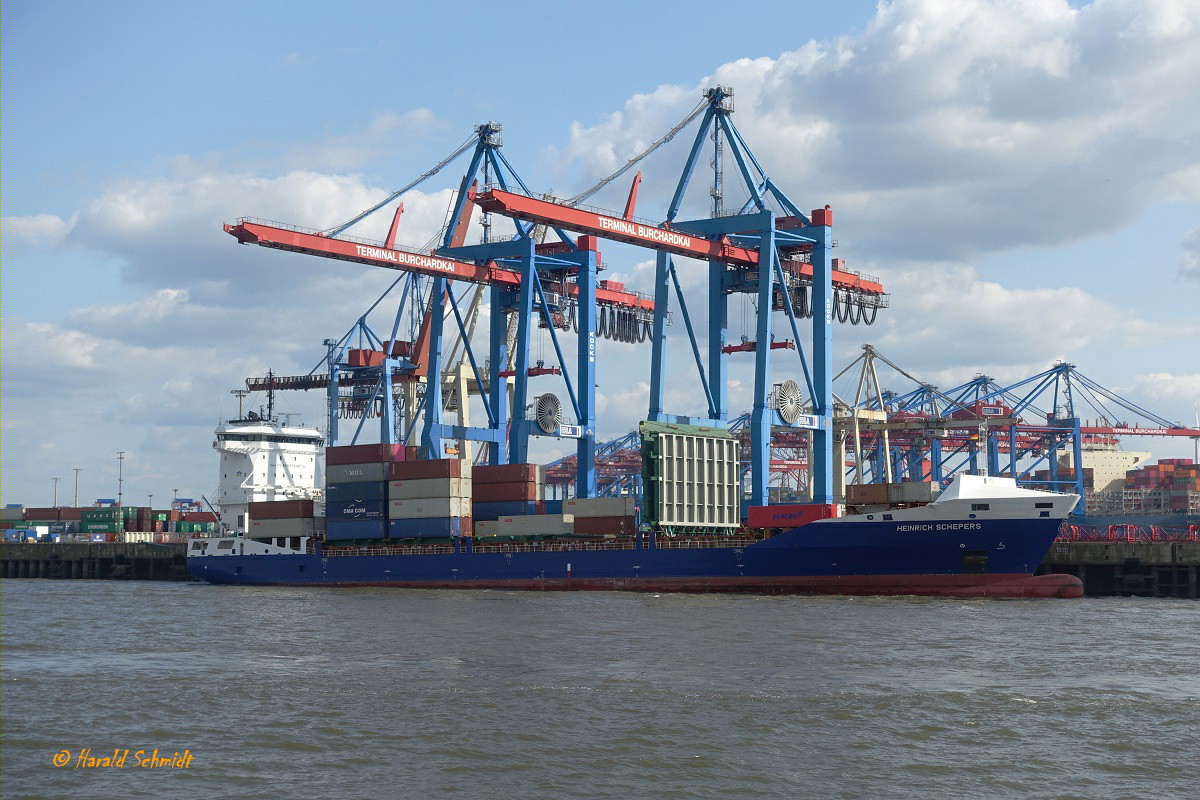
x=990, y=558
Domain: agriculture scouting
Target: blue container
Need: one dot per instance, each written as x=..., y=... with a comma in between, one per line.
x=553, y=506
x=341, y=529
x=356, y=509
x=503, y=508
x=434, y=527
x=352, y=492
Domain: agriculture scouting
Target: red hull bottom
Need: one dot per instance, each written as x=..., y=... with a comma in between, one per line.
x=1011, y=586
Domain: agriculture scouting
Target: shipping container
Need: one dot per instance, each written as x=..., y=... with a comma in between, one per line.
x=42, y=514
x=430, y=527
x=789, y=516
x=513, y=508
x=435, y=468
x=429, y=487
x=349, y=492
x=535, y=525
x=425, y=507
x=274, y=509
x=508, y=491
x=364, y=454
x=343, y=529
x=12, y=513
x=624, y=506
x=509, y=473
x=369, y=509
x=867, y=494
x=357, y=473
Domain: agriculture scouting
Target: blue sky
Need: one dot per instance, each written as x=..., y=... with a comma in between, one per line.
x=1022, y=175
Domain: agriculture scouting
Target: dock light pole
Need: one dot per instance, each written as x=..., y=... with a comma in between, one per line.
x=120, y=475
x=151, y=496
x=77, y=469
x=55, y=505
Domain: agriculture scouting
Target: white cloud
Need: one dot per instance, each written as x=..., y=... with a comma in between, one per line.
x=37, y=229
x=1189, y=262
x=351, y=151
x=954, y=129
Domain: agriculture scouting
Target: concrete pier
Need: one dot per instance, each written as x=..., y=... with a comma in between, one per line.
x=106, y=561
x=1141, y=569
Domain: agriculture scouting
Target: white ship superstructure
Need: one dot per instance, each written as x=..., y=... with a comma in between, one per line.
x=263, y=460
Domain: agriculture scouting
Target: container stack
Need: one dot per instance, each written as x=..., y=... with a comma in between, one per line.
x=430, y=499
x=356, y=485
x=283, y=519
x=603, y=516
x=1185, y=482
x=102, y=521
x=507, y=490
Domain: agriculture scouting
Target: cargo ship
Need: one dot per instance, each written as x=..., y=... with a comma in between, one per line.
x=408, y=523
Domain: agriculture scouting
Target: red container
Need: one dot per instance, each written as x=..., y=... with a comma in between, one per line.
x=508, y=473
x=364, y=454
x=605, y=526
x=70, y=513
x=42, y=514
x=500, y=492
x=789, y=516
x=436, y=468
x=201, y=516
x=278, y=509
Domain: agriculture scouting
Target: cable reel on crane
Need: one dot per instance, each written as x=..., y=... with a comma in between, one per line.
x=789, y=401
x=548, y=412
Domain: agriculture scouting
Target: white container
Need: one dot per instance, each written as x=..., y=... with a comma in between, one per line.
x=429, y=487
x=429, y=507
x=534, y=524
x=601, y=507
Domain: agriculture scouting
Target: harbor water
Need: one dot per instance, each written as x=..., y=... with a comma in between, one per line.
x=368, y=693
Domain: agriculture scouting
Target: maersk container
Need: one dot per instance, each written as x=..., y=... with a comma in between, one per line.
x=425, y=507
x=356, y=509
x=514, y=508
x=343, y=529
x=429, y=527
x=375, y=491
x=413, y=488
x=356, y=473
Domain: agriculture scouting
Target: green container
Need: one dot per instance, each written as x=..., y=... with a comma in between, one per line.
x=162, y=516
x=99, y=514
x=99, y=527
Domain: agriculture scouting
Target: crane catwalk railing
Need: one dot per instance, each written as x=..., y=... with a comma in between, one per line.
x=532, y=209
x=311, y=242
x=662, y=543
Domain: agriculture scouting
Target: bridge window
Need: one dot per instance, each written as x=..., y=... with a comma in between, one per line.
x=1043, y=505
x=981, y=506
